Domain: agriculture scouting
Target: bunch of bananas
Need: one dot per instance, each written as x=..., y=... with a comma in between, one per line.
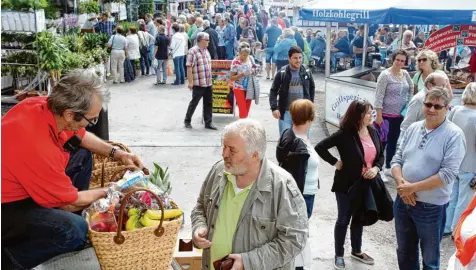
x=149, y=218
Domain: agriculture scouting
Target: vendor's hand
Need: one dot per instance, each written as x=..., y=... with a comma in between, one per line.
x=370, y=173
x=128, y=159
x=199, y=238
x=405, y=189
x=410, y=199
x=276, y=114
x=379, y=120
x=237, y=263
x=339, y=165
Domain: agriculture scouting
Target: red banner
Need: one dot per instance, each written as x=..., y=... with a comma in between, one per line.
x=451, y=36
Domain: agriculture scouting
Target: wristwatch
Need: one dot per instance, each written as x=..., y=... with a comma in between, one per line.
x=113, y=152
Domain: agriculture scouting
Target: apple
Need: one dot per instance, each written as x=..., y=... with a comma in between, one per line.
x=113, y=228
x=100, y=227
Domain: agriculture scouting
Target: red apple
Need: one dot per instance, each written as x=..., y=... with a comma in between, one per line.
x=100, y=227
x=113, y=228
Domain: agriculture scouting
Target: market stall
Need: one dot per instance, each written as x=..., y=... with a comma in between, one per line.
x=360, y=82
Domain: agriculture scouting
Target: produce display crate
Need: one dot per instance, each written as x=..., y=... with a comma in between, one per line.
x=188, y=258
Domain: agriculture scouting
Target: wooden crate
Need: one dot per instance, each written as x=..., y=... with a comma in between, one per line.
x=191, y=260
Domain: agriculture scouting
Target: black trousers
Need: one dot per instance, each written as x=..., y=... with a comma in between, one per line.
x=221, y=50
x=199, y=92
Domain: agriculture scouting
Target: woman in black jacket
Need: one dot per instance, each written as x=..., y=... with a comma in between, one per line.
x=296, y=154
x=361, y=155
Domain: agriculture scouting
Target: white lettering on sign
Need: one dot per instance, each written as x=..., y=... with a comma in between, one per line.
x=342, y=14
x=473, y=19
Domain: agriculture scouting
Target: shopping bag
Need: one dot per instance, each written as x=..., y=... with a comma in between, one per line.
x=169, y=69
x=305, y=257
x=155, y=63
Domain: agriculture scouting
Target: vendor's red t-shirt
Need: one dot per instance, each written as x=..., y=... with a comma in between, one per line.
x=33, y=159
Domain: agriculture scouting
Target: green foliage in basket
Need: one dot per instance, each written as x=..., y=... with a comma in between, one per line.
x=74, y=43
x=88, y=7
x=146, y=6
x=160, y=178
x=95, y=40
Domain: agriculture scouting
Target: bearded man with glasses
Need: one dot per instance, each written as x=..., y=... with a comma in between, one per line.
x=46, y=170
x=424, y=168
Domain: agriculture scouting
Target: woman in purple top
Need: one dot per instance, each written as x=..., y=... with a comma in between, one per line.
x=394, y=91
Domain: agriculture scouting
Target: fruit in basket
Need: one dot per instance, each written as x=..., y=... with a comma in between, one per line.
x=134, y=219
x=168, y=214
x=113, y=228
x=160, y=178
x=147, y=222
x=100, y=227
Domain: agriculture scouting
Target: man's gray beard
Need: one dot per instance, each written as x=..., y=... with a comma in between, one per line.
x=236, y=171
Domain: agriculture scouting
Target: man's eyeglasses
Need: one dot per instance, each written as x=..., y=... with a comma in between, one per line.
x=422, y=60
x=436, y=106
x=92, y=121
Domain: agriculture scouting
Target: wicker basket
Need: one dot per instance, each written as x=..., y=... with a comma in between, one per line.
x=146, y=248
x=104, y=168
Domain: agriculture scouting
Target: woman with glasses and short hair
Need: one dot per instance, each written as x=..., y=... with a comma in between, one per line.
x=427, y=64
x=394, y=91
x=241, y=72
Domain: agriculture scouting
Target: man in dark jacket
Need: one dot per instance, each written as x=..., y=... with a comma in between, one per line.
x=213, y=44
x=292, y=82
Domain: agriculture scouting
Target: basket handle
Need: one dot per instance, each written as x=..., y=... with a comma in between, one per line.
x=119, y=238
x=122, y=170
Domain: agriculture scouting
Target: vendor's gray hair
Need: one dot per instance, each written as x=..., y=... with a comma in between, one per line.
x=288, y=33
x=252, y=132
x=76, y=91
x=438, y=92
x=202, y=35
x=469, y=94
x=206, y=23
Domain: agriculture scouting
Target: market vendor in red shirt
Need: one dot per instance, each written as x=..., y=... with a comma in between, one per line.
x=46, y=169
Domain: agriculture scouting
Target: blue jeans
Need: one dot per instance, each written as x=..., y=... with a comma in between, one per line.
x=461, y=196
x=151, y=55
x=392, y=138
x=287, y=123
x=32, y=234
x=335, y=56
x=309, y=199
x=420, y=224
x=230, y=50
x=344, y=216
x=179, y=70
x=358, y=62
x=144, y=64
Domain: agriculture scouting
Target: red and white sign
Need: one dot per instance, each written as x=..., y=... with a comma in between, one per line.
x=451, y=36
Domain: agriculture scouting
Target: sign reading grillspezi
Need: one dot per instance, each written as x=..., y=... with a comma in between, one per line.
x=451, y=36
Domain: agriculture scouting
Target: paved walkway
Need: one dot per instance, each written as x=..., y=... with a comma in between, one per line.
x=149, y=119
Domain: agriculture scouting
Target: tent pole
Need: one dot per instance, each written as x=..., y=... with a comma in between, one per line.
x=453, y=63
x=328, y=49
x=400, y=36
x=366, y=37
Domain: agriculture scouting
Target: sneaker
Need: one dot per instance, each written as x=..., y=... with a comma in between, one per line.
x=339, y=263
x=363, y=258
x=383, y=177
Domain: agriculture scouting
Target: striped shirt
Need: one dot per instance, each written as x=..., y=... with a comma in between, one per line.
x=201, y=63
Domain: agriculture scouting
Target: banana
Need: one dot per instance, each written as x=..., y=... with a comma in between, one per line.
x=168, y=214
x=147, y=222
x=133, y=212
x=133, y=223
